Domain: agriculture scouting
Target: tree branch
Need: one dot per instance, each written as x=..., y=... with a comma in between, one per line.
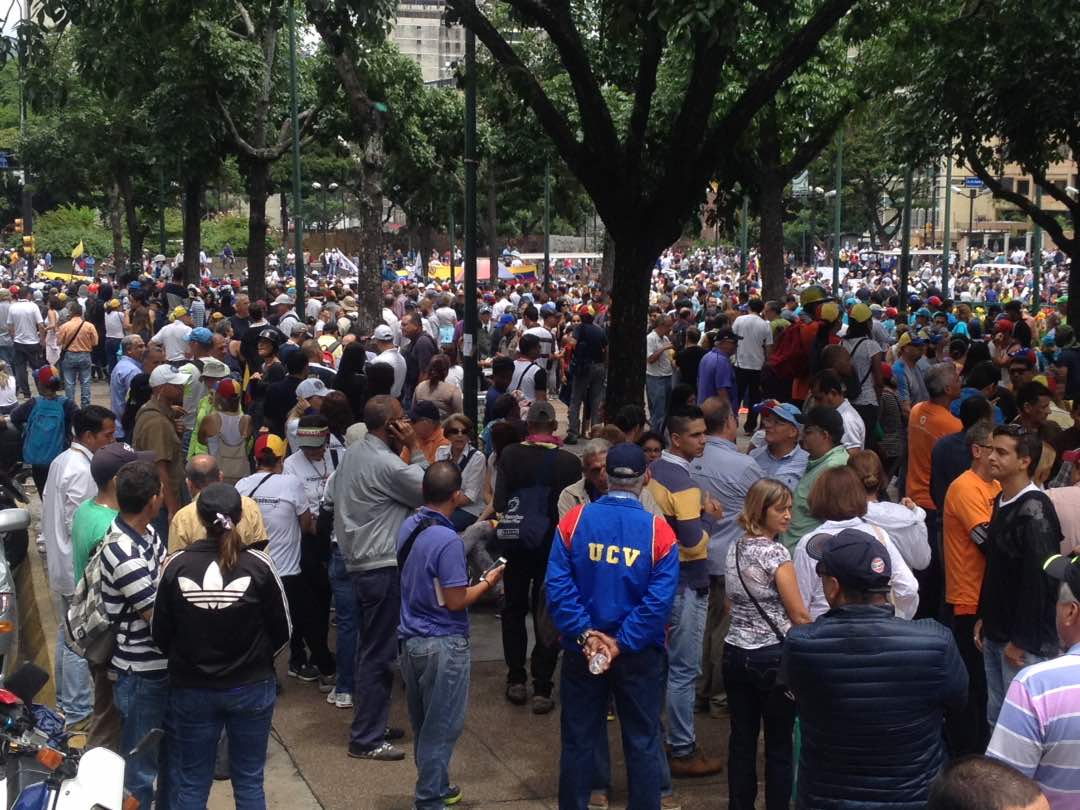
x=807, y=152
x=249, y=26
x=643, y=94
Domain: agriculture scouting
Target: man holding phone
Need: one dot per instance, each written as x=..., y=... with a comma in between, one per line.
x=434, y=630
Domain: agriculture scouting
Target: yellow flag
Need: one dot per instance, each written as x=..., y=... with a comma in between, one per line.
x=78, y=251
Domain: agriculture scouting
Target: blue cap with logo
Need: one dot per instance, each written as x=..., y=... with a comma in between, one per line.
x=781, y=410
x=626, y=460
x=857, y=559
x=201, y=335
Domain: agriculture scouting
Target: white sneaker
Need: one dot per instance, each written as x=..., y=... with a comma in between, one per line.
x=343, y=700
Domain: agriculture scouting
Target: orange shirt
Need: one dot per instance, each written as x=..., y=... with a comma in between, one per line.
x=969, y=502
x=85, y=339
x=433, y=443
x=928, y=423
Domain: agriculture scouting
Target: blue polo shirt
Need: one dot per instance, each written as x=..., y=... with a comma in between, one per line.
x=437, y=561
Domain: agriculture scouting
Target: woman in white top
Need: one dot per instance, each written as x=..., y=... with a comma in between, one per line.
x=458, y=429
x=905, y=522
x=225, y=432
x=116, y=326
x=838, y=500
x=8, y=399
x=52, y=324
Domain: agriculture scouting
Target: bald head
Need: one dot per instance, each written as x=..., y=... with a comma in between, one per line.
x=442, y=480
x=201, y=472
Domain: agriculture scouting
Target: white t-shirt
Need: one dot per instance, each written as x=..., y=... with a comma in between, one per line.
x=114, y=324
x=25, y=317
x=313, y=474
x=524, y=377
x=393, y=358
x=547, y=343
x=662, y=366
x=854, y=426
x=472, y=477
x=173, y=338
x=282, y=500
x=756, y=334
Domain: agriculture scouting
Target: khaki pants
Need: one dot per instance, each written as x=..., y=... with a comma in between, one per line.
x=710, y=684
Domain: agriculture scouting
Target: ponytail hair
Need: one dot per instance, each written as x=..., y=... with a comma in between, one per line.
x=220, y=510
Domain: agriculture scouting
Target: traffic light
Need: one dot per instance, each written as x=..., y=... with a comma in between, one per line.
x=18, y=226
x=28, y=245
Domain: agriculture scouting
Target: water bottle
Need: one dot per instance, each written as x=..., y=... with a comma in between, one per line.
x=598, y=664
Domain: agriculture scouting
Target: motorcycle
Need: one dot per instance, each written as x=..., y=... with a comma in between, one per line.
x=42, y=771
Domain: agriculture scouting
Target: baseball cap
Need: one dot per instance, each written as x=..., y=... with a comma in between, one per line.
x=1064, y=569
x=49, y=375
x=312, y=387
x=922, y=312
x=167, y=375
x=891, y=312
x=548, y=309
x=214, y=369
x=860, y=313
x=109, y=459
x=201, y=335
x=485, y=310
x=781, y=410
x=270, y=442
x=219, y=500
x=541, y=411
x=1003, y=326
x=178, y=313
x=383, y=333
x=725, y=334
x=228, y=388
x=857, y=559
x=282, y=299
x=625, y=460
x=424, y=409
x=829, y=311
x=907, y=339
x=933, y=301
x=299, y=329
x=506, y=319
x=312, y=436
x=824, y=417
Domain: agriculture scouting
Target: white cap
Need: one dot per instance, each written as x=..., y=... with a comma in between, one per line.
x=282, y=299
x=312, y=387
x=166, y=375
x=214, y=368
x=382, y=332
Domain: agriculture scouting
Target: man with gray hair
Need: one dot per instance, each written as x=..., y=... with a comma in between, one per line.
x=658, y=370
x=928, y=422
x=1039, y=724
x=129, y=366
x=594, y=481
x=200, y=472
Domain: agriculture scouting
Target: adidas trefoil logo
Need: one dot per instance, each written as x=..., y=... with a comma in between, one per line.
x=213, y=593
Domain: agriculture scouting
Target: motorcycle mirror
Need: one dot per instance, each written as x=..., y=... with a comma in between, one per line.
x=148, y=743
x=27, y=680
x=12, y=520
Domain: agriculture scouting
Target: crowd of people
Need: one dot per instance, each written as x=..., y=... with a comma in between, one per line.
x=835, y=512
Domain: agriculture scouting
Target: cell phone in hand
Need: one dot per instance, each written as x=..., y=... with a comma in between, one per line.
x=498, y=563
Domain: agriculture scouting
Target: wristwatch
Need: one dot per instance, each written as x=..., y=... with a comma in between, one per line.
x=583, y=639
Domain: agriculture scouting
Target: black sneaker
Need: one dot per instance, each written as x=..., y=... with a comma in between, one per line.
x=517, y=693
x=452, y=795
x=306, y=673
x=570, y=439
x=391, y=734
x=383, y=752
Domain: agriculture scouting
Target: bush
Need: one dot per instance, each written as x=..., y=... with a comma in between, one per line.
x=61, y=229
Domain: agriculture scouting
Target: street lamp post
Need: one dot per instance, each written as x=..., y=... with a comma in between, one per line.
x=743, y=239
x=452, y=234
x=1036, y=254
x=161, y=211
x=468, y=340
x=317, y=186
x=837, y=212
x=946, y=228
x=905, y=241
x=333, y=187
x=547, y=225
x=298, y=213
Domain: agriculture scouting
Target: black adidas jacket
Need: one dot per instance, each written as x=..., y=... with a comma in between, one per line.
x=219, y=630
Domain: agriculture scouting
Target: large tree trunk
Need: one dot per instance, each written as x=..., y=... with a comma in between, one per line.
x=493, y=224
x=426, y=238
x=607, y=264
x=628, y=322
x=771, y=203
x=369, y=281
x=193, y=187
x=1072, y=247
x=258, y=192
x=117, y=227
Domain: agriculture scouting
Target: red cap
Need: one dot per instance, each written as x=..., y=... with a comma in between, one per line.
x=933, y=301
x=48, y=375
x=891, y=312
x=270, y=442
x=14, y=289
x=228, y=388
x=1003, y=327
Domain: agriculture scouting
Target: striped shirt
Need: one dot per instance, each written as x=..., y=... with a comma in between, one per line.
x=1038, y=730
x=679, y=498
x=130, y=566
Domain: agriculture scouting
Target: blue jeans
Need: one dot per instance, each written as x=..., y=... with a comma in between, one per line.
x=142, y=700
x=658, y=389
x=76, y=365
x=999, y=674
x=196, y=717
x=74, y=693
x=112, y=352
x=377, y=596
x=436, y=673
x=686, y=633
x=635, y=681
x=345, y=611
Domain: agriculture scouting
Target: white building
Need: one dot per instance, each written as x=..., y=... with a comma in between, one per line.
x=420, y=34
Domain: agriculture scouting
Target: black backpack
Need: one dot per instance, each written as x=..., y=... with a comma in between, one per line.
x=526, y=525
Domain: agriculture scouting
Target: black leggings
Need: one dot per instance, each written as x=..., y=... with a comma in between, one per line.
x=309, y=604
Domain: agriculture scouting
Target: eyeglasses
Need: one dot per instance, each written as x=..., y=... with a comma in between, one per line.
x=452, y=431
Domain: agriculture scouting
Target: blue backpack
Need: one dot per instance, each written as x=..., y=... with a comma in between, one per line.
x=46, y=430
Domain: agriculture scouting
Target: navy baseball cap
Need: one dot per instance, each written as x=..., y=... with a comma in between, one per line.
x=626, y=460
x=1064, y=569
x=856, y=558
x=424, y=409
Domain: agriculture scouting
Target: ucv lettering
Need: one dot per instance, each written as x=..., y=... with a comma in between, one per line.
x=598, y=552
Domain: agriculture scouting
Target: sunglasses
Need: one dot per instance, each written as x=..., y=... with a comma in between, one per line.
x=453, y=431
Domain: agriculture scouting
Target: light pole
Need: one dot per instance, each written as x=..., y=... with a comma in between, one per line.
x=905, y=241
x=837, y=212
x=317, y=186
x=971, y=194
x=333, y=187
x=547, y=225
x=298, y=212
x=468, y=341
x=743, y=238
x=946, y=227
x=161, y=211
